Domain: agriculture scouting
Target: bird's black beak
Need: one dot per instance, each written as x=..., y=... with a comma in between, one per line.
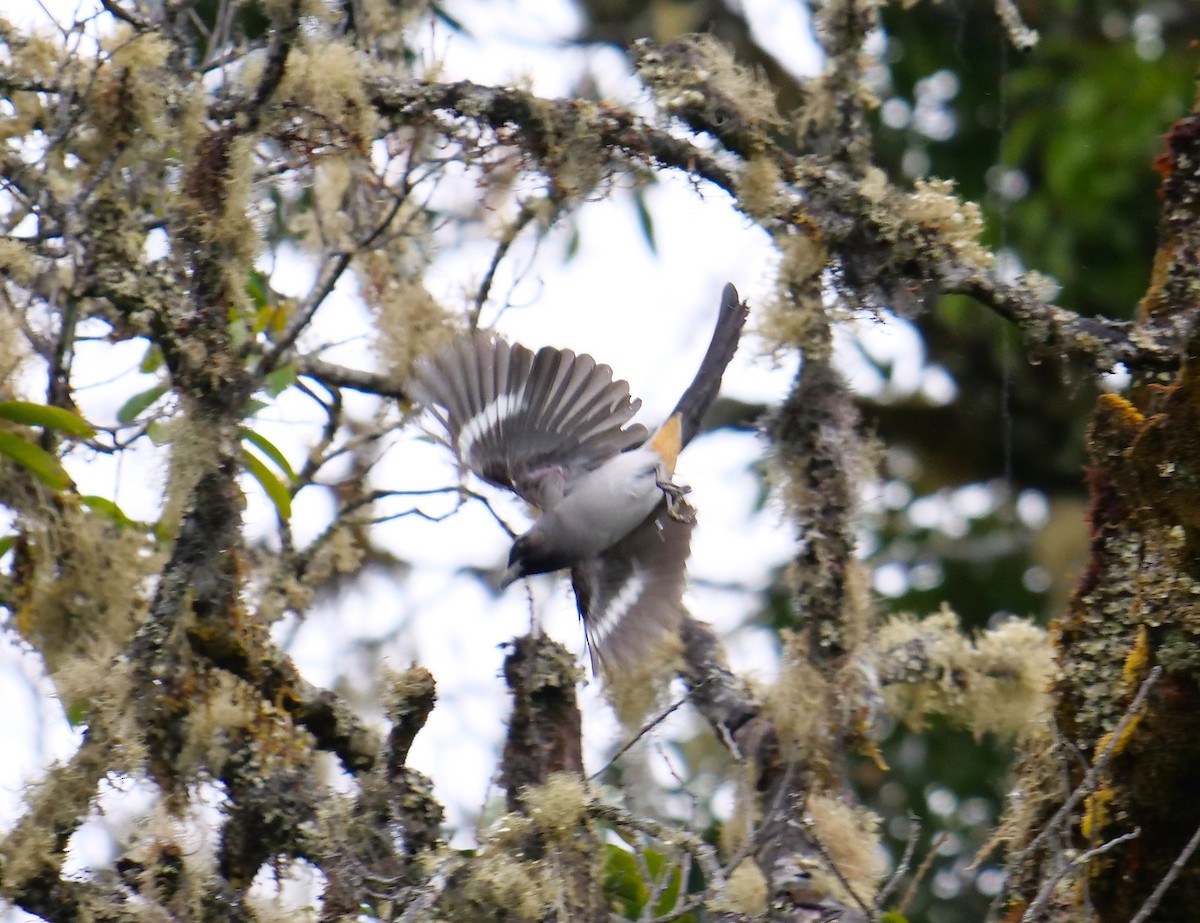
x=509, y=576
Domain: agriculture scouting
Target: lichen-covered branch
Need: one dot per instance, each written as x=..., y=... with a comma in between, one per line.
x=1049, y=330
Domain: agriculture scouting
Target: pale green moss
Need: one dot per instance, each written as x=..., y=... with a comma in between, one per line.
x=849, y=835
x=745, y=890
x=558, y=807
x=999, y=683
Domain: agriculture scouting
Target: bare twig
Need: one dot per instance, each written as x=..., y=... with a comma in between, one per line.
x=642, y=732
x=339, y=376
x=810, y=828
x=1046, y=891
x=1088, y=784
x=527, y=213
x=331, y=270
x=138, y=22
x=910, y=848
x=1176, y=867
x=922, y=871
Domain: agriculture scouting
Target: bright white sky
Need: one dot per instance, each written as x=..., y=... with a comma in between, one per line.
x=647, y=315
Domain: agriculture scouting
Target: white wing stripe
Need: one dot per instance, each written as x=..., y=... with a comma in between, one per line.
x=503, y=407
x=619, y=607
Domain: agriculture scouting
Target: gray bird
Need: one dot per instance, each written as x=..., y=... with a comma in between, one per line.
x=551, y=426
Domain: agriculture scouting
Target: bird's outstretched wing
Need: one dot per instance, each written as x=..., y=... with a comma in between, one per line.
x=526, y=421
x=629, y=596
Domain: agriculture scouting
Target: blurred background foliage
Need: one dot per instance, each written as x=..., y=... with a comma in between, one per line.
x=980, y=498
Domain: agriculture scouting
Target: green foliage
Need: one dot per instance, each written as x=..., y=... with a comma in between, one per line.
x=1091, y=222
x=108, y=509
x=279, y=380
x=627, y=888
x=1058, y=145
x=152, y=361
x=36, y=460
x=136, y=405
x=1080, y=118
x=58, y=418
x=645, y=219
x=277, y=490
x=77, y=713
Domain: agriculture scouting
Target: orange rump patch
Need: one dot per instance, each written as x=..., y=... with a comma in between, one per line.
x=666, y=442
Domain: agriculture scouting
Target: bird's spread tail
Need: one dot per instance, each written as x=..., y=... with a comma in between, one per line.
x=701, y=393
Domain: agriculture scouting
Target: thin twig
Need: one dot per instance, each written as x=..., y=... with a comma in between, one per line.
x=331, y=272
x=810, y=828
x=1090, y=779
x=922, y=871
x=642, y=732
x=340, y=376
x=526, y=214
x=1046, y=891
x=433, y=889
x=133, y=19
x=910, y=848
x=1176, y=867
x=1088, y=783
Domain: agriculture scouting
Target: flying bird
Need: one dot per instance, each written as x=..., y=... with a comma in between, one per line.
x=554, y=428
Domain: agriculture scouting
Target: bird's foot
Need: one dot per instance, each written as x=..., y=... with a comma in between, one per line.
x=677, y=506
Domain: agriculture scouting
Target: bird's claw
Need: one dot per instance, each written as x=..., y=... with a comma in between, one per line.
x=677, y=506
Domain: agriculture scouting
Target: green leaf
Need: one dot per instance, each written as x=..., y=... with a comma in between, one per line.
x=239, y=333
x=258, y=288
x=165, y=531
x=44, y=466
x=31, y=414
x=623, y=884
x=279, y=380
x=152, y=360
x=77, y=713
x=253, y=406
x=133, y=407
x=159, y=434
x=572, y=247
x=276, y=492
x=6, y=544
x=892, y=916
x=669, y=895
x=269, y=449
x=106, y=507
x=645, y=220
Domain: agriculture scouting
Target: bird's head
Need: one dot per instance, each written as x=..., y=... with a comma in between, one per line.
x=516, y=561
x=536, y=552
